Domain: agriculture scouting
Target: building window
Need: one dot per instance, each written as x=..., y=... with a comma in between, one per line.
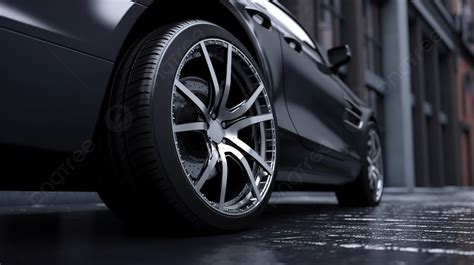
x=373, y=44
x=466, y=153
x=467, y=84
x=330, y=23
x=445, y=78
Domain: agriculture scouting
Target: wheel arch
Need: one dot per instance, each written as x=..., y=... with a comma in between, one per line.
x=222, y=13
x=373, y=119
x=368, y=117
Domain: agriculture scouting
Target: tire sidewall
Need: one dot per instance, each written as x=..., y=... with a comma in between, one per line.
x=168, y=65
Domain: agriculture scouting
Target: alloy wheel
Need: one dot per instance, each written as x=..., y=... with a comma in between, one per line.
x=375, y=165
x=224, y=127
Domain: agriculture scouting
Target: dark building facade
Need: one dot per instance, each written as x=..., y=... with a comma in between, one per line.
x=413, y=62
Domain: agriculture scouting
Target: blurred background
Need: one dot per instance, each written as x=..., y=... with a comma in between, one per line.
x=413, y=62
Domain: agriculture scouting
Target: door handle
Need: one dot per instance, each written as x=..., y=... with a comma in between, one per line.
x=294, y=44
x=261, y=18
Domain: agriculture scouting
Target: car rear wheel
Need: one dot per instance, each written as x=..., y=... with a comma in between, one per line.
x=367, y=190
x=196, y=143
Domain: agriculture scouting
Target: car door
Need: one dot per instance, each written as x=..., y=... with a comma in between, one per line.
x=314, y=96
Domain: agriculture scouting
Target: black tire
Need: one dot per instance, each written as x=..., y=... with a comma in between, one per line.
x=142, y=180
x=359, y=193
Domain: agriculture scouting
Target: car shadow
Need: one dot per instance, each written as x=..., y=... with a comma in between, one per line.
x=56, y=235
x=30, y=222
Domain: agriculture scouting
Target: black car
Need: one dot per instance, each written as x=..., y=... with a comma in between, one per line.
x=178, y=113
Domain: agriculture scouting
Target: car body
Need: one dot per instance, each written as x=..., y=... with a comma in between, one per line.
x=58, y=59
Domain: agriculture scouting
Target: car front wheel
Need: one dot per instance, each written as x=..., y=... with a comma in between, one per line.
x=196, y=144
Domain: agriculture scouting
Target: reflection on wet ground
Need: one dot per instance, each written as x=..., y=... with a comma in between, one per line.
x=297, y=228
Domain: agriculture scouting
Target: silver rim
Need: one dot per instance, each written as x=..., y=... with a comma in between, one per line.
x=224, y=127
x=375, y=165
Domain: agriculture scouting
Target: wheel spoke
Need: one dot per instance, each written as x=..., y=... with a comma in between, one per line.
x=214, y=157
x=245, y=106
x=376, y=174
x=228, y=80
x=212, y=71
x=190, y=127
x=190, y=95
x=225, y=169
x=248, y=150
x=250, y=121
x=371, y=179
x=375, y=147
x=248, y=171
x=378, y=155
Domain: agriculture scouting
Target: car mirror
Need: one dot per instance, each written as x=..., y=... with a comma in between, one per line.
x=339, y=57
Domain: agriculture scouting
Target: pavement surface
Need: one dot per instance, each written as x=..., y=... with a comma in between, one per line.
x=297, y=228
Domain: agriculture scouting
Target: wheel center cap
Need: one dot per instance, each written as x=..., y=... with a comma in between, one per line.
x=215, y=132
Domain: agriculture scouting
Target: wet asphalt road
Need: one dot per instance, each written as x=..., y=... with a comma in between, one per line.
x=298, y=228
